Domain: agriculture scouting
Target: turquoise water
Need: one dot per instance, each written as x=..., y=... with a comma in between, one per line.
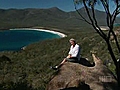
x=14, y=40
x=116, y=24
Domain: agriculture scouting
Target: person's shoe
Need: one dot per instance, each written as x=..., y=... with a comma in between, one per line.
x=55, y=68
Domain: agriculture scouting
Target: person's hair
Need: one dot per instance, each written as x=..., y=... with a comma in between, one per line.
x=72, y=39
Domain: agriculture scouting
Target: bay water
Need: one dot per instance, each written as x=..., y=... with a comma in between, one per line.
x=14, y=40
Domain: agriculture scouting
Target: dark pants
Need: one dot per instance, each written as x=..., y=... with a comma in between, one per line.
x=72, y=59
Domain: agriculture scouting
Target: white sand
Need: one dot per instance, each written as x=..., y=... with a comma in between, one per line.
x=104, y=28
x=50, y=31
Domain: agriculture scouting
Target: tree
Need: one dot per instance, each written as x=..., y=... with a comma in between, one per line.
x=110, y=19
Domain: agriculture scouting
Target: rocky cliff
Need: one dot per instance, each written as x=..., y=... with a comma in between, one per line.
x=75, y=76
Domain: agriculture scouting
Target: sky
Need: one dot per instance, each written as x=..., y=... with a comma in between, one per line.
x=65, y=5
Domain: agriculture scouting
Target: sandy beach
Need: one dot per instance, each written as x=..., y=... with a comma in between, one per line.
x=104, y=28
x=50, y=31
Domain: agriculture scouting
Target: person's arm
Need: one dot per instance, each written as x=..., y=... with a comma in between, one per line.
x=69, y=56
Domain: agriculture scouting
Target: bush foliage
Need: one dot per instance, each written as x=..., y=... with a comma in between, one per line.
x=29, y=69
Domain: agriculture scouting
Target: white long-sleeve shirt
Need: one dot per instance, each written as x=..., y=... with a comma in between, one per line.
x=75, y=51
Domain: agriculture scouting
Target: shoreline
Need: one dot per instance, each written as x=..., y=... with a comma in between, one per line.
x=62, y=35
x=104, y=28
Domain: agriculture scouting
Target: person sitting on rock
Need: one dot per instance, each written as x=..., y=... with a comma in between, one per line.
x=73, y=55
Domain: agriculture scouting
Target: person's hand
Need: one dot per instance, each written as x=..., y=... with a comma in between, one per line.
x=68, y=56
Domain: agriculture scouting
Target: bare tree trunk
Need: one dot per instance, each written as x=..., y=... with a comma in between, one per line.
x=111, y=52
x=116, y=40
x=110, y=21
x=117, y=64
x=118, y=73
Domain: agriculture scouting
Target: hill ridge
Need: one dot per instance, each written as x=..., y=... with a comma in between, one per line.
x=51, y=17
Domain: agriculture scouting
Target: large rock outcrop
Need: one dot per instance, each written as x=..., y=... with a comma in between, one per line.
x=75, y=76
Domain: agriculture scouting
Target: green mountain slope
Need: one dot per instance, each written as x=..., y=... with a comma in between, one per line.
x=52, y=17
x=29, y=69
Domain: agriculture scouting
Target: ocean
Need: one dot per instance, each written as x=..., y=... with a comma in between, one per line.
x=116, y=24
x=14, y=40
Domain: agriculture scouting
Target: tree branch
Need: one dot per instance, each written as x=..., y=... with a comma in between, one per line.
x=106, y=7
x=111, y=52
x=102, y=34
x=114, y=15
x=117, y=44
x=88, y=12
x=83, y=18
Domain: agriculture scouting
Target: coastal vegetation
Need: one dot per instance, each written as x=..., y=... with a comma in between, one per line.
x=29, y=69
